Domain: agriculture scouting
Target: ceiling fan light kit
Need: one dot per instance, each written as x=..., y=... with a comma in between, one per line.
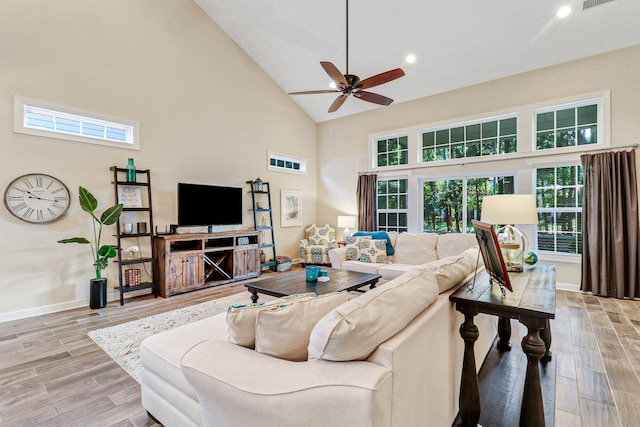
x=350, y=84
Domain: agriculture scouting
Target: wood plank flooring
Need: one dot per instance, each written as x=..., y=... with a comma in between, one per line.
x=53, y=374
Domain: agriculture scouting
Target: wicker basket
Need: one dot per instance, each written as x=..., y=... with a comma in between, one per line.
x=283, y=263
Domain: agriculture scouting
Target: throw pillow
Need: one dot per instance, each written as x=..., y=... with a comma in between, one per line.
x=372, y=251
x=356, y=328
x=283, y=331
x=351, y=252
x=380, y=235
x=416, y=249
x=241, y=318
x=454, y=270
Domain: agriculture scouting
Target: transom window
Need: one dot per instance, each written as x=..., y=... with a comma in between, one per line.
x=392, y=151
x=450, y=205
x=470, y=139
x=392, y=205
x=567, y=126
x=36, y=118
x=287, y=163
x=559, y=201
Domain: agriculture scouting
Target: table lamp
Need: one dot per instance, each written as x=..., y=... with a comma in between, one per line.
x=346, y=222
x=511, y=209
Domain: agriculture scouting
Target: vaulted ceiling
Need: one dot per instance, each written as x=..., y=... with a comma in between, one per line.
x=457, y=43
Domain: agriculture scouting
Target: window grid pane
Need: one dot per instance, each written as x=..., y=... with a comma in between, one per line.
x=394, y=151
x=392, y=205
x=487, y=138
x=567, y=127
x=559, y=201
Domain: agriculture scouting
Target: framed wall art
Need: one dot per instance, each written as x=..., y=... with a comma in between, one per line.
x=291, y=208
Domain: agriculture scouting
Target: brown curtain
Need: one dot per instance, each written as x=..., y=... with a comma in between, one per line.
x=610, y=257
x=367, y=193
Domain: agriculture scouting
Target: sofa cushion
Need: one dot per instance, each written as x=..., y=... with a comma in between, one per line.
x=283, y=331
x=351, y=251
x=392, y=270
x=454, y=270
x=356, y=328
x=241, y=319
x=454, y=243
x=380, y=235
x=416, y=249
x=362, y=267
x=372, y=250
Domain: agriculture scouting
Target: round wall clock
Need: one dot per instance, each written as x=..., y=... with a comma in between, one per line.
x=37, y=198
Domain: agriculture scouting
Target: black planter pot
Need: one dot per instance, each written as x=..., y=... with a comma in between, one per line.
x=98, y=293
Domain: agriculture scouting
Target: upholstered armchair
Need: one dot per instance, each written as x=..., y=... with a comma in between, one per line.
x=319, y=239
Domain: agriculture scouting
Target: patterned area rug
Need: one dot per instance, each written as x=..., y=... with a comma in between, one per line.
x=122, y=342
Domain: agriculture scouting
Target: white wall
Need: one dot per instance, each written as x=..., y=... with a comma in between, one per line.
x=208, y=114
x=344, y=144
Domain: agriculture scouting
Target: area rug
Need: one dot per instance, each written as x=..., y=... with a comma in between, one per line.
x=122, y=342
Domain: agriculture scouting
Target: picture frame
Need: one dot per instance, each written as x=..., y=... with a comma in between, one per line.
x=130, y=197
x=290, y=208
x=491, y=254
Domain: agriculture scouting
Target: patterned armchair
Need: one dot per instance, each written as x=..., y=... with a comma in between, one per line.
x=314, y=249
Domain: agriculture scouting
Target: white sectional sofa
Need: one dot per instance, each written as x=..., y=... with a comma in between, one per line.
x=410, y=251
x=193, y=376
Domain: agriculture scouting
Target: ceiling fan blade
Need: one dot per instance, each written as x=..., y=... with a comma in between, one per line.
x=373, y=97
x=311, y=92
x=337, y=103
x=379, y=79
x=334, y=73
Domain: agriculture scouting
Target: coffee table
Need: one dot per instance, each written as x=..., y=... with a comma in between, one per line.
x=294, y=282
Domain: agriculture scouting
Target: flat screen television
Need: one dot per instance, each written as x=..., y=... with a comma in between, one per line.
x=207, y=205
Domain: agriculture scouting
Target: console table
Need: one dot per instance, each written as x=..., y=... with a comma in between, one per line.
x=533, y=303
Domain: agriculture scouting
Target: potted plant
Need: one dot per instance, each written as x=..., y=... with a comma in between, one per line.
x=99, y=253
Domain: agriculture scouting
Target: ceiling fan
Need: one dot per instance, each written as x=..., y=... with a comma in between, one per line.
x=350, y=84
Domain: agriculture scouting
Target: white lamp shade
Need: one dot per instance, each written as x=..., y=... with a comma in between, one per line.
x=509, y=209
x=346, y=221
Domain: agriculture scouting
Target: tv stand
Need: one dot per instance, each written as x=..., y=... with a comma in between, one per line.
x=187, y=262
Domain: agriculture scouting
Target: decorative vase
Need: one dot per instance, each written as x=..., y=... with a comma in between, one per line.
x=98, y=293
x=257, y=184
x=131, y=171
x=263, y=257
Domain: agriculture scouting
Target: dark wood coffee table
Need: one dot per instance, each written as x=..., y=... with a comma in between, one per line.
x=294, y=282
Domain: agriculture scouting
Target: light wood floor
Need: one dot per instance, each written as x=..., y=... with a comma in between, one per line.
x=52, y=374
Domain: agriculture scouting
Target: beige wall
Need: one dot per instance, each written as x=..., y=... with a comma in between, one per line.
x=344, y=144
x=208, y=114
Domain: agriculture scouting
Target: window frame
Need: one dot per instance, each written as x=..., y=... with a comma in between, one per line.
x=22, y=105
x=374, y=149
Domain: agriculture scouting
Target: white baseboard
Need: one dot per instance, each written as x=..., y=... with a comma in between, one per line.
x=67, y=305
x=568, y=287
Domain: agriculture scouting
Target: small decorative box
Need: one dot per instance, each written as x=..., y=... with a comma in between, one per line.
x=283, y=263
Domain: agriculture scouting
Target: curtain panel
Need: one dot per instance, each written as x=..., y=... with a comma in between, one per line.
x=367, y=194
x=610, y=257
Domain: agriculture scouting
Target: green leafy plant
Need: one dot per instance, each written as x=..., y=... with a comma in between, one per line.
x=100, y=254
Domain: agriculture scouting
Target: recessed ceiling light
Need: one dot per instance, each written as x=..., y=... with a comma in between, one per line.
x=563, y=12
x=332, y=85
x=410, y=59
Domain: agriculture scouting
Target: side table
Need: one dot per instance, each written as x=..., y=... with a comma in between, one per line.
x=533, y=303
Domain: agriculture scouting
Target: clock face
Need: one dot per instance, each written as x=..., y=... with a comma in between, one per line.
x=37, y=198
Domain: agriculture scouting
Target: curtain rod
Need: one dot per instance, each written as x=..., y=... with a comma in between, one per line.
x=493, y=159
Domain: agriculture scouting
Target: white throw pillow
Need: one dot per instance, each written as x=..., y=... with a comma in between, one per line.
x=241, y=318
x=355, y=329
x=372, y=251
x=454, y=270
x=450, y=244
x=416, y=249
x=283, y=331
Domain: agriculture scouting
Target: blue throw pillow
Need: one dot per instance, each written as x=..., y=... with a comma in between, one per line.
x=378, y=235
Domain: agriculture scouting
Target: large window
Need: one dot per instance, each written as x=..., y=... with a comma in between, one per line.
x=37, y=118
x=450, y=205
x=559, y=201
x=392, y=151
x=567, y=126
x=471, y=139
x=392, y=205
